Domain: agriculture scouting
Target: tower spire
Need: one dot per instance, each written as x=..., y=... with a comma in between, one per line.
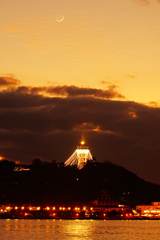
x=82, y=140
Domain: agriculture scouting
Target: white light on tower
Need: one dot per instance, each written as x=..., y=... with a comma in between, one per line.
x=80, y=156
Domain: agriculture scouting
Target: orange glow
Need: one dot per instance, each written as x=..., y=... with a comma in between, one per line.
x=8, y=208
x=38, y=208
x=54, y=214
x=17, y=162
x=16, y=208
x=97, y=129
x=120, y=205
x=1, y=158
x=30, y=208
x=53, y=208
x=69, y=208
x=82, y=142
x=64, y=209
x=60, y=208
x=91, y=208
x=104, y=215
x=77, y=214
x=77, y=209
x=47, y=208
x=22, y=208
x=133, y=114
x=84, y=208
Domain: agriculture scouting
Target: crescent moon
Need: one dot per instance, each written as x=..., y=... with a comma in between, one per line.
x=61, y=19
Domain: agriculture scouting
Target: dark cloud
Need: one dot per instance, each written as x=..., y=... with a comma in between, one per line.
x=34, y=125
x=8, y=81
x=72, y=91
x=15, y=99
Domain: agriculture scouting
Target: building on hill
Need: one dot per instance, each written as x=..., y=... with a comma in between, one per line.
x=80, y=156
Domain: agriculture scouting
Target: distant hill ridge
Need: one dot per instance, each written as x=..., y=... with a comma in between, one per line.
x=51, y=183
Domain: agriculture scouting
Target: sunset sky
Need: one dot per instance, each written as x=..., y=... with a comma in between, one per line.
x=70, y=67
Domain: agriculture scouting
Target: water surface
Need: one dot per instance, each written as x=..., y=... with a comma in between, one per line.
x=79, y=229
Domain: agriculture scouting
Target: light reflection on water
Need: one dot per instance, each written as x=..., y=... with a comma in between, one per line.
x=79, y=229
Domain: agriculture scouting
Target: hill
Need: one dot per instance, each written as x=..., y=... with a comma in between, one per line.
x=51, y=183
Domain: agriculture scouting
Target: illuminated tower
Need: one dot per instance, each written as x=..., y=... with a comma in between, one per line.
x=80, y=156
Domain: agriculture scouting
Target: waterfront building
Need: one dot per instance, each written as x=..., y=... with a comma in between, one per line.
x=152, y=210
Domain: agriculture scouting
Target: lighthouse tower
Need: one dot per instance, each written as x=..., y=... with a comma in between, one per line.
x=80, y=156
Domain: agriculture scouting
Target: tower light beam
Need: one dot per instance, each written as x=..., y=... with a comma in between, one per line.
x=80, y=156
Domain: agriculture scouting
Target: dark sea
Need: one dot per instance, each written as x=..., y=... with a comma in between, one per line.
x=79, y=229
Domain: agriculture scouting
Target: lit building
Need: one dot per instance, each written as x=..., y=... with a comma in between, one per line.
x=152, y=210
x=80, y=156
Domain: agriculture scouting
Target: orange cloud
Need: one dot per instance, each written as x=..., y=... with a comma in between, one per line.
x=131, y=76
x=72, y=91
x=8, y=81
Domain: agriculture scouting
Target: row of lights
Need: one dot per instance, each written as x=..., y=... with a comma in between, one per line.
x=54, y=214
x=77, y=209
x=152, y=211
x=48, y=208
